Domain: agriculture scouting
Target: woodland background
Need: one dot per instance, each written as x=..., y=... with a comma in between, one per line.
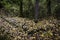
x=29, y=19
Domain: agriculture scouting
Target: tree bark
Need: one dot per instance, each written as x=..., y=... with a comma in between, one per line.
x=21, y=8
x=48, y=7
x=36, y=10
x=29, y=9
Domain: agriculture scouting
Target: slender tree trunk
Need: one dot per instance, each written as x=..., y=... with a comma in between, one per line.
x=29, y=4
x=48, y=7
x=21, y=8
x=29, y=7
x=36, y=10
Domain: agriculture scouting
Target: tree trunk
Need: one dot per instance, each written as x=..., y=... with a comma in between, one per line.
x=21, y=8
x=48, y=7
x=36, y=10
x=29, y=8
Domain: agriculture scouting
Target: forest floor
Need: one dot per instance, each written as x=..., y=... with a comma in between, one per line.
x=17, y=28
